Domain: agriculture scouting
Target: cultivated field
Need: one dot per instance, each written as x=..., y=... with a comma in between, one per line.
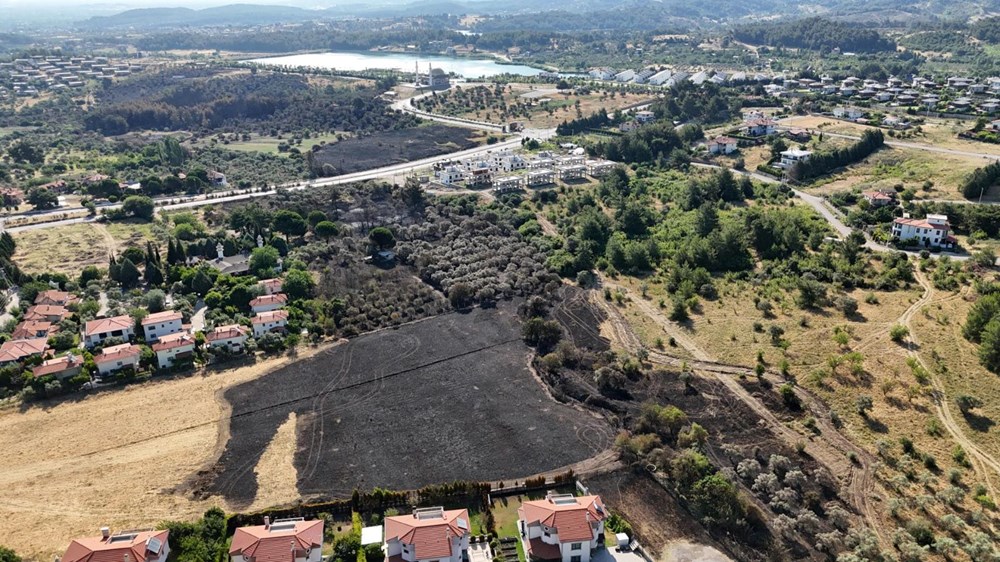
x=443, y=399
x=393, y=147
x=116, y=458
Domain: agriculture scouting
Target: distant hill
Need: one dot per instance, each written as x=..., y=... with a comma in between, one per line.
x=519, y=12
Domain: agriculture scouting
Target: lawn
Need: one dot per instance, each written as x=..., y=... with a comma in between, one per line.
x=268, y=144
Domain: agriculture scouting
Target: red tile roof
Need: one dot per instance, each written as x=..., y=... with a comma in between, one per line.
x=31, y=328
x=431, y=537
x=724, y=140
x=104, y=325
x=573, y=520
x=277, y=298
x=543, y=550
x=879, y=195
x=116, y=352
x=226, y=332
x=17, y=350
x=920, y=223
x=165, y=316
x=274, y=543
x=173, y=341
x=99, y=549
x=270, y=316
x=53, y=296
x=57, y=365
x=42, y=311
x=271, y=283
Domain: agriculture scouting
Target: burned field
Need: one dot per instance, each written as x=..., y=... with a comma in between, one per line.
x=447, y=398
x=390, y=147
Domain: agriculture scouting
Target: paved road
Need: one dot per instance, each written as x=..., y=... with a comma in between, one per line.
x=832, y=215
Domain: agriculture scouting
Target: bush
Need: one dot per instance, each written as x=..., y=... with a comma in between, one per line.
x=787, y=392
x=898, y=333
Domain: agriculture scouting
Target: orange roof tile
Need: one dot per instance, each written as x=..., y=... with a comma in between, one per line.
x=17, y=350
x=277, y=298
x=270, y=316
x=173, y=341
x=57, y=365
x=226, y=332
x=99, y=549
x=103, y=325
x=920, y=223
x=53, y=296
x=274, y=542
x=40, y=311
x=116, y=352
x=165, y=316
x=573, y=521
x=31, y=328
x=431, y=537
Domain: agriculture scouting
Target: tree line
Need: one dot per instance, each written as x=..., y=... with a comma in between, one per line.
x=818, y=34
x=822, y=163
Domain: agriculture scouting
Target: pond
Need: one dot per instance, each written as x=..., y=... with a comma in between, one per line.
x=404, y=62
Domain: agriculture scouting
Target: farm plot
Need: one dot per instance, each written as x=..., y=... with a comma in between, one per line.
x=391, y=147
x=444, y=399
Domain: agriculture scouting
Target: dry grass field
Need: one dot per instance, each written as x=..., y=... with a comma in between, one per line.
x=122, y=458
x=67, y=249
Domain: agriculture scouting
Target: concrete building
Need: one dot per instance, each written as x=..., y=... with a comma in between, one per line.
x=427, y=535
x=562, y=527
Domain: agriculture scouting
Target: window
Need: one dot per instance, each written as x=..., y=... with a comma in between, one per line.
x=575, y=558
x=575, y=546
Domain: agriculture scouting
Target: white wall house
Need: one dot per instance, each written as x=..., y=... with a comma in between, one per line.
x=932, y=231
x=160, y=324
x=96, y=331
x=759, y=127
x=231, y=337
x=116, y=358
x=266, y=303
x=723, y=145
x=562, y=527
x=427, y=535
x=173, y=347
x=791, y=157
x=284, y=540
x=270, y=286
x=848, y=113
x=272, y=321
x=645, y=116
x=130, y=546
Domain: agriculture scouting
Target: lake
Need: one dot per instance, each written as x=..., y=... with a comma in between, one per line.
x=356, y=61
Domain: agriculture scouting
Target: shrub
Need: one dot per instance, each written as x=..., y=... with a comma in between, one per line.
x=787, y=392
x=898, y=333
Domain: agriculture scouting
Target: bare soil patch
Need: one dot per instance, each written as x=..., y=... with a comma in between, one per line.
x=443, y=399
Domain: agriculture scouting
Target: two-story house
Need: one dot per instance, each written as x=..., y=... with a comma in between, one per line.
x=284, y=540
x=129, y=546
x=117, y=357
x=62, y=368
x=430, y=534
x=562, y=527
x=160, y=324
x=19, y=350
x=173, y=347
x=793, y=156
x=270, y=286
x=932, y=231
x=266, y=303
x=272, y=321
x=231, y=337
x=96, y=331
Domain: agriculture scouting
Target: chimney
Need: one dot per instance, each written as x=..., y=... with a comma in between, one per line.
x=267, y=522
x=105, y=533
x=126, y=557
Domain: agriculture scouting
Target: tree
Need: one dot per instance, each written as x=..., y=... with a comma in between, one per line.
x=382, y=237
x=989, y=347
x=289, y=223
x=541, y=334
x=139, y=206
x=155, y=300
x=863, y=404
x=8, y=555
x=811, y=292
x=298, y=284
x=201, y=282
x=326, y=229
x=42, y=199
x=24, y=151
x=967, y=403
x=898, y=333
x=128, y=274
x=847, y=305
x=316, y=217
x=460, y=295
x=263, y=260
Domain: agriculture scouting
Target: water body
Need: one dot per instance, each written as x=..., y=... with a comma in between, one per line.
x=404, y=62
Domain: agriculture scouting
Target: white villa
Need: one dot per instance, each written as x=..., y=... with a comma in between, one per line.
x=96, y=331
x=271, y=321
x=562, y=527
x=428, y=535
x=932, y=231
x=117, y=357
x=173, y=347
x=160, y=324
x=284, y=540
x=791, y=157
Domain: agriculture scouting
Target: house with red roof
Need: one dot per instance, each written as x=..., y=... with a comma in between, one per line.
x=173, y=347
x=17, y=351
x=284, y=540
x=231, y=337
x=47, y=312
x=759, y=126
x=723, y=145
x=430, y=534
x=55, y=297
x=65, y=367
x=125, y=546
x=880, y=198
x=30, y=329
x=96, y=331
x=932, y=231
x=267, y=303
x=271, y=286
x=117, y=357
x=562, y=527
x=160, y=324
x=273, y=321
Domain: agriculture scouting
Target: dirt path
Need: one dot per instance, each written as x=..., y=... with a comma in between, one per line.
x=547, y=226
x=110, y=243
x=830, y=447
x=982, y=462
